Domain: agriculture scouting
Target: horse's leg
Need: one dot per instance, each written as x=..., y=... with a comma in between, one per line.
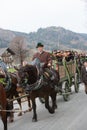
x=85, y=88
x=10, y=114
x=50, y=109
x=29, y=103
x=19, y=102
x=34, y=119
x=53, y=98
x=4, y=119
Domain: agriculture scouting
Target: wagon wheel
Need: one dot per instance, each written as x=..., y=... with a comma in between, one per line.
x=76, y=82
x=65, y=90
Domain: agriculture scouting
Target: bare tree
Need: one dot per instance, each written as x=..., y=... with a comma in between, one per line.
x=19, y=46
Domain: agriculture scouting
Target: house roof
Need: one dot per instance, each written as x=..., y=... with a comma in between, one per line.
x=2, y=51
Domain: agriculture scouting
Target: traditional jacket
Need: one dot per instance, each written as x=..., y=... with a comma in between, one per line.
x=44, y=57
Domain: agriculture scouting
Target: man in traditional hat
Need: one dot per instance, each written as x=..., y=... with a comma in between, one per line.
x=45, y=58
x=42, y=55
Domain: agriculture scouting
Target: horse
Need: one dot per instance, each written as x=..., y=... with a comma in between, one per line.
x=13, y=92
x=3, y=106
x=37, y=86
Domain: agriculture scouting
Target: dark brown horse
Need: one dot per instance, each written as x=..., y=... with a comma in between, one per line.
x=37, y=87
x=3, y=106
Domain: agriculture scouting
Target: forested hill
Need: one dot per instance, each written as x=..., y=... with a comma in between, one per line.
x=51, y=37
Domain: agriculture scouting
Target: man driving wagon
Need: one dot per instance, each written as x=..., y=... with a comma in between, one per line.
x=46, y=64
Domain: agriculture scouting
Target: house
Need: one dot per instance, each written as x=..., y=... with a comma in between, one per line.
x=7, y=55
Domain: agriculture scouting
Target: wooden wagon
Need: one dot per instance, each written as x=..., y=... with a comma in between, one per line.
x=69, y=74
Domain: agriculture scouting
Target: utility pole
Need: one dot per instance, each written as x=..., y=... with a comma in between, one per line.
x=58, y=42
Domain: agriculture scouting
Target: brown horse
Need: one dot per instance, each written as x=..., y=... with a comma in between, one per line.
x=37, y=87
x=13, y=92
x=3, y=106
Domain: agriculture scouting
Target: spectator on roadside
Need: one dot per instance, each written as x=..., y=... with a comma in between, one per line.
x=84, y=75
x=3, y=67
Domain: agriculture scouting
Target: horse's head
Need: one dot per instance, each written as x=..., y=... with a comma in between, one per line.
x=27, y=75
x=22, y=75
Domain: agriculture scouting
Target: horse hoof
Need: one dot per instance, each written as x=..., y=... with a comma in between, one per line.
x=51, y=111
x=20, y=114
x=11, y=120
x=34, y=120
x=86, y=92
x=26, y=110
x=30, y=109
x=55, y=107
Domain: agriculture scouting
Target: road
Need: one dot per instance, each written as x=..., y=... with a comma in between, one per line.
x=71, y=115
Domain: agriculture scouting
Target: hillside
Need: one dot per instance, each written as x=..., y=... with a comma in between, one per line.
x=52, y=37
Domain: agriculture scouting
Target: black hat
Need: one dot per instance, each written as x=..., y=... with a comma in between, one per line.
x=39, y=45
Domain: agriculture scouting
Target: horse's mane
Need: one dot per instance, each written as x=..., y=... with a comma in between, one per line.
x=31, y=71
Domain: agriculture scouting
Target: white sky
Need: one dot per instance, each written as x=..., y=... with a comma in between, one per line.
x=29, y=15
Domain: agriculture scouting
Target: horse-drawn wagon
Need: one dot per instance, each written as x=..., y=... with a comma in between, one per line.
x=69, y=73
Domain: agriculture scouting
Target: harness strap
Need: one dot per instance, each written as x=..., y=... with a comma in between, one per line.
x=37, y=85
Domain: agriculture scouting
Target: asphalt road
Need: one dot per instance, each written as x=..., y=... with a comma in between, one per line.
x=71, y=115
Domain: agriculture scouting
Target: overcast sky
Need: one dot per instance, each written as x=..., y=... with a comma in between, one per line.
x=29, y=15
